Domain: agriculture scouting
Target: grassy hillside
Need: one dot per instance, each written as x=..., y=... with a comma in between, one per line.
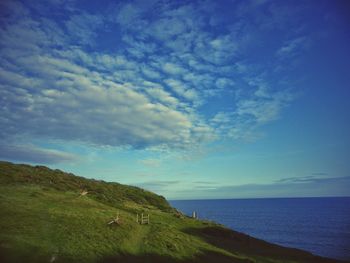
x=113, y=194
x=44, y=218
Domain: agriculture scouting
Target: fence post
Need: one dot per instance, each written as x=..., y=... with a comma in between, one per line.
x=194, y=215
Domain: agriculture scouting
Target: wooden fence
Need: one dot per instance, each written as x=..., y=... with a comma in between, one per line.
x=142, y=219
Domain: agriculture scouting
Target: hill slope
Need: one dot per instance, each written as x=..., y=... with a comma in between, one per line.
x=44, y=218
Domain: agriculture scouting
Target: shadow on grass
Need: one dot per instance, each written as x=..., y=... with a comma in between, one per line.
x=7, y=256
x=205, y=257
x=222, y=238
x=236, y=242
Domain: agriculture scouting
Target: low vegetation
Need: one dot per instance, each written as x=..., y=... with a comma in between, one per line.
x=52, y=216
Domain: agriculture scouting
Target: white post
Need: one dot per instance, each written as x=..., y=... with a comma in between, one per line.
x=194, y=215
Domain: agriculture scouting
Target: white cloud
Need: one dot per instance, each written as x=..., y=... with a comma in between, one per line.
x=290, y=48
x=173, y=69
x=150, y=73
x=83, y=27
x=162, y=96
x=139, y=48
x=153, y=89
x=221, y=117
x=219, y=50
x=33, y=154
x=264, y=108
x=180, y=89
x=166, y=28
x=223, y=83
x=127, y=14
x=78, y=101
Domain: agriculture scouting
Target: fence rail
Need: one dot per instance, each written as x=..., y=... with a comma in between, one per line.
x=142, y=219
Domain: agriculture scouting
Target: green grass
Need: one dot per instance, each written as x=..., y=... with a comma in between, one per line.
x=44, y=218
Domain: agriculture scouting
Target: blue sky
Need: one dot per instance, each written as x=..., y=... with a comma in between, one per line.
x=190, y=99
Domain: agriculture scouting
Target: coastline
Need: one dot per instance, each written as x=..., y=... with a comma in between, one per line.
x=301, y=223
x=56, y=221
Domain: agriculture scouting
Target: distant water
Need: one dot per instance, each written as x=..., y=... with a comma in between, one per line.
x=319, y=225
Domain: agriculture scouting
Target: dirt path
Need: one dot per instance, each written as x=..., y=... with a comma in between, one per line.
x=136, y=239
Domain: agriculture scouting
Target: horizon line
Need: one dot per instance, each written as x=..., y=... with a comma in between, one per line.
x=245, y=198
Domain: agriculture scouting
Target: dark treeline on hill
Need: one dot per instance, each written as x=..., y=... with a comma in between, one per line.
x=52, y=216
x=106, y=192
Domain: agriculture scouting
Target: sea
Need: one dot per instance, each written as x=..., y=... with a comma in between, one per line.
x=319, y=225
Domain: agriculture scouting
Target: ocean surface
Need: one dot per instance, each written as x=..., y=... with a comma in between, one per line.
x=318, y=225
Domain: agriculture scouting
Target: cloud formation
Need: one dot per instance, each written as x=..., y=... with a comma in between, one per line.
x=292, y=187
x=142, y=76
x=33, y=154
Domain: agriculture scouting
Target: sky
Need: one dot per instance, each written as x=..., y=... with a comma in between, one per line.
x=189, y=99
